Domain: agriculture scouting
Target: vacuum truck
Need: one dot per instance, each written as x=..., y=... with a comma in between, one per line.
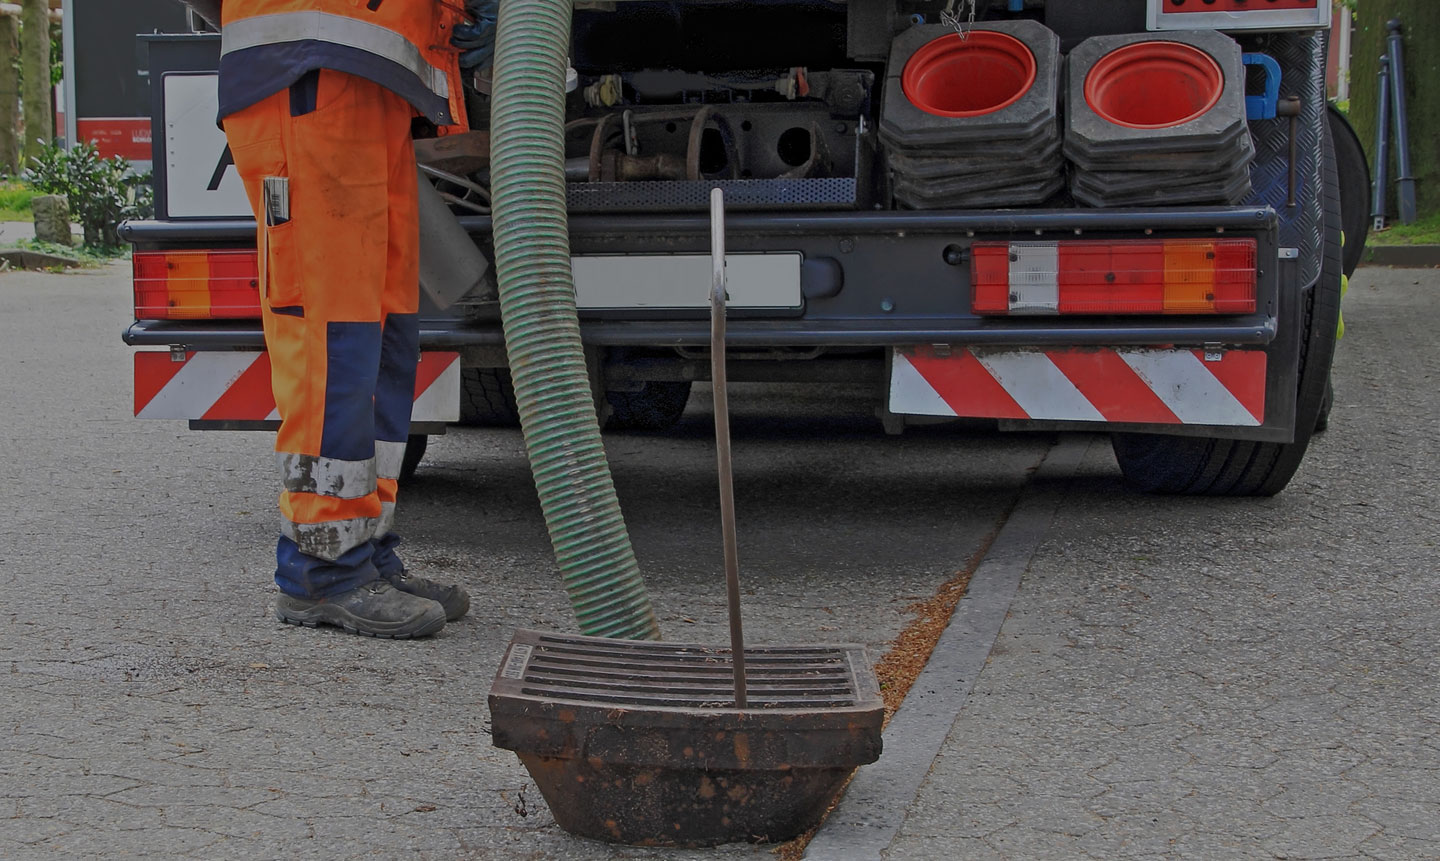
x=1114, y=215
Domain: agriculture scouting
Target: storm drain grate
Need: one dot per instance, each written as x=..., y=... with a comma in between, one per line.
x=626, y=672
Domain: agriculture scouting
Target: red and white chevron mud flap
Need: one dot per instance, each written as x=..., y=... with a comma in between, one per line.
x=1087, y=384
x=235, y=386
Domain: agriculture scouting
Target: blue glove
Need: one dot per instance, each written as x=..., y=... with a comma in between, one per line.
x=476, y=40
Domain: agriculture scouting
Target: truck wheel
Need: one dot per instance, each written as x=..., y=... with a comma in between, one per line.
x=1322, y=421
x=1157, y=463
x=1355, y=181
x=487, y=398
x=415, y=446
x=657, y=406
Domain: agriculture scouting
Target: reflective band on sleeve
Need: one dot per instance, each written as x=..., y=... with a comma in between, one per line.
x=389, y=458
x=338, y=30
x=330, y=540
x=327, y=476
x=1035, y=278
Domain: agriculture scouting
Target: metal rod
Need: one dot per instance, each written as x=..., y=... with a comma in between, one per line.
x=1294, y=157
x=722, y=439
x=1290, y=107
x=1382, y=148
x=1404, y=177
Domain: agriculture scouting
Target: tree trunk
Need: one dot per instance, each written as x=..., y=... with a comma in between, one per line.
x=1420, y=20
x=9, y=94
x=35, y=75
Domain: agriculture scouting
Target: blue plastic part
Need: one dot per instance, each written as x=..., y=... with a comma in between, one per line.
x=1263, y=107
x=1017, y=5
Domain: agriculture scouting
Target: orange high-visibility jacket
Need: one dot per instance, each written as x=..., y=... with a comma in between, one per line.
x=403, y=45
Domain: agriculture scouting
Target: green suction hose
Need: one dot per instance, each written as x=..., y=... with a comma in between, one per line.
x=542, y=333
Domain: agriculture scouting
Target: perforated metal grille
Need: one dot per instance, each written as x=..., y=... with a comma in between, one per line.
x=625, y=672
x=740, y=194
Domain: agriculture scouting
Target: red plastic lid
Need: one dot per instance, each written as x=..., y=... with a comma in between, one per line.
x=1154, y=85
x=954, y=77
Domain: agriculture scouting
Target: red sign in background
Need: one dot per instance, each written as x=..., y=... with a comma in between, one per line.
x=128, y=137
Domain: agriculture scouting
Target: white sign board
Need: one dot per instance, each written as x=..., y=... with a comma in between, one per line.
x=604, y=282
x=200, y=177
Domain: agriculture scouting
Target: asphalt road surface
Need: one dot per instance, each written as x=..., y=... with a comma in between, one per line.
x=1175, y=678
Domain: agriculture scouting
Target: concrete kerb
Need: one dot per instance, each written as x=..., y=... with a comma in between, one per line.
x=874, y=807
x=24, y=258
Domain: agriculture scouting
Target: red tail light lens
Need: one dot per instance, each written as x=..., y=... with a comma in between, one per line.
x=196, y=285
x=1163, y=276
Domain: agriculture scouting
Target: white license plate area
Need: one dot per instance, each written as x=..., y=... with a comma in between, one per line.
x=680, y=281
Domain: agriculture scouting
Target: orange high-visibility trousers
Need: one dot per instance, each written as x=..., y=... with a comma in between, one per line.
x=340, y=290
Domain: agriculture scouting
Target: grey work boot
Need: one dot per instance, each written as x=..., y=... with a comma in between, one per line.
x=452, y=597
x=376, y=609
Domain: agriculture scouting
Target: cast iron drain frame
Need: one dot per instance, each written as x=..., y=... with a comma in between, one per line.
x=666, y=744
x=639, y=742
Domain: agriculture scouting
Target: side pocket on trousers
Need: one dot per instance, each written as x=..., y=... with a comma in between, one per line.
x=282, y=289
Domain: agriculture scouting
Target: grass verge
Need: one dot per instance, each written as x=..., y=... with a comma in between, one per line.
x=15, y=201
x=1425, y=231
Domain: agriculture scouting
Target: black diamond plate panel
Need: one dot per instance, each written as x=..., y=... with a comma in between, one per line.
x=1302, y=63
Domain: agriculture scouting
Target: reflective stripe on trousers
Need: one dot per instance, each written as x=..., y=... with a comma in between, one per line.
x=389, y=459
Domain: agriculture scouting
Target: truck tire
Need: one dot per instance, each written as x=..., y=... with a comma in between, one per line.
x=1355, y=182
x=487, y=398
x=415, y=446
x=658, y=405
x=1322, y=421
x=1157, y=463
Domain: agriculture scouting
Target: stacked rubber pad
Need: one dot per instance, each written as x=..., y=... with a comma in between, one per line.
x=1010, y=157
x=1204, y=160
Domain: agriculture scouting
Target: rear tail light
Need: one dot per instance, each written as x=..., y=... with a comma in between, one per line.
x=1169, y=276
x=196, y=285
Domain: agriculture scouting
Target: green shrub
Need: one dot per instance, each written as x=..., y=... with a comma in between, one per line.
x=102, y=192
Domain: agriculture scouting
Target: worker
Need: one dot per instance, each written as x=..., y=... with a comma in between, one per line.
x=317, y=100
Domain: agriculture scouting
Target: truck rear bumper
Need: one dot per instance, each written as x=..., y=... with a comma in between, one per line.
x=833, y=224
x=755, y=333
x=891, y=284
x=903, y=286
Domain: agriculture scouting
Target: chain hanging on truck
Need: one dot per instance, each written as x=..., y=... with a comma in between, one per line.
x=950, y=17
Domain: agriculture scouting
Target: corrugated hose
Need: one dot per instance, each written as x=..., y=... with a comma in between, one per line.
x=542, y=332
